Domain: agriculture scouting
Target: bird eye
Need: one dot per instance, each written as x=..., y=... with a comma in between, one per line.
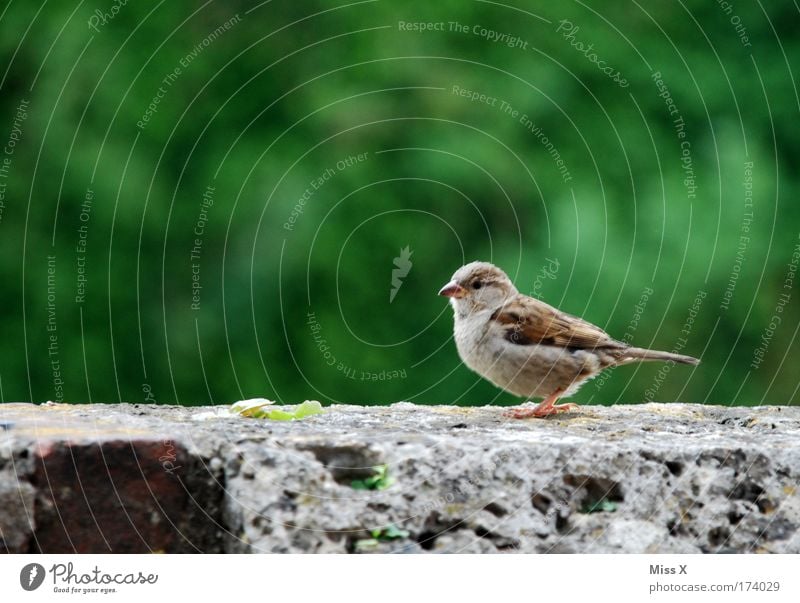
x=477, y=285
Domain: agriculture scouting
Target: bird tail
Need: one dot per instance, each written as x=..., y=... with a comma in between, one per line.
x=641, y=354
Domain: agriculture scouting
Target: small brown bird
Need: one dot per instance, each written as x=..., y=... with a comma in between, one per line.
x=528, y=347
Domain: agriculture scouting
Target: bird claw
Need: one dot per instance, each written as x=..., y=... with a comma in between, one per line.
x=539, y=411
x=519, y=413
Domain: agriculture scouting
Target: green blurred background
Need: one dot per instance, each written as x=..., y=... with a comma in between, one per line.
x=596, y=203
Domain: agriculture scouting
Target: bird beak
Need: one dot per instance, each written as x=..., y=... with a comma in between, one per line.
x=453, y=289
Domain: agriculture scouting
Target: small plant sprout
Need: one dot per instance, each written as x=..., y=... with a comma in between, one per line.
x=600, y=506
x=379, y=480
x=384, y=534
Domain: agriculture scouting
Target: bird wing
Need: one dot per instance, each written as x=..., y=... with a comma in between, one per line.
x=528, y=321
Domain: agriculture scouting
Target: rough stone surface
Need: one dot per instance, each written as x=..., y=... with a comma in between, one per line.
x=668, y=478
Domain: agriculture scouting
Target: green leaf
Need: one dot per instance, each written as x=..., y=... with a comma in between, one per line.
x=308, y=409
x=390, y=532
x=366, y=543
x=251, y=408
x=599, y=506
x=278, y=415
x=380, y=480
x=257, y=408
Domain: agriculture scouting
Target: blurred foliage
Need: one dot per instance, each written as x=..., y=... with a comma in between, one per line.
x=263, y=109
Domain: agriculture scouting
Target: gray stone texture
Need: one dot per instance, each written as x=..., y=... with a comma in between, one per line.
x=651, y=478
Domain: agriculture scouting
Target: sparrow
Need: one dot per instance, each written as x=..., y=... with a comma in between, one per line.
x=527, y=347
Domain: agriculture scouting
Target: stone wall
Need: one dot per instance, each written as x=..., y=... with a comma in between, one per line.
x=650, y=478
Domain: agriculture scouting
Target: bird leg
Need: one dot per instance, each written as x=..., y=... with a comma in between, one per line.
x=545, y=409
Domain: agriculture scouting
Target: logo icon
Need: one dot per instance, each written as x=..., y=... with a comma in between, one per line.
x=31, y=576
x=403, y=267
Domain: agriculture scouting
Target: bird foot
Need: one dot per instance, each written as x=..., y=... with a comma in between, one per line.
x=542, y=410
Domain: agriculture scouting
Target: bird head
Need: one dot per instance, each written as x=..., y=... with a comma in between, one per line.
x=478, y=286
